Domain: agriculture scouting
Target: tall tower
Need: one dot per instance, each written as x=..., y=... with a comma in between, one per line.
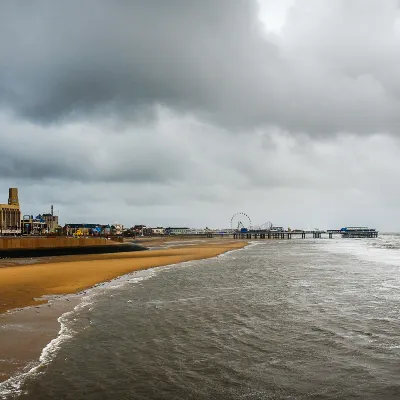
x=13, y=197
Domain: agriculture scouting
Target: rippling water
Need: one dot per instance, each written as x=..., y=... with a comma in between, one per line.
x=292, y=319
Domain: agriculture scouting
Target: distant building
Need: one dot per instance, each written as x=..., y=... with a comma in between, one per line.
x=117, y=229
x=158, y=231
x=139, y=229
x=10, y=215
x=177, y=231
x=33, y=226
x=50, y=220
x=87, y=229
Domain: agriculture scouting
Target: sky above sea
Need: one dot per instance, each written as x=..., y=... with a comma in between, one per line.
x=183, y=113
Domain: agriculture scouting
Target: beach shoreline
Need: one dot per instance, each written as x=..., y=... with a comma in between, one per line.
x=35, y=296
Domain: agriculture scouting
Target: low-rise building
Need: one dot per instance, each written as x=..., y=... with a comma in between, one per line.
x=117, y=229
x=50, y=220
x=33, y=226
x=177, y=231
x=85, y=229
x=138, y=229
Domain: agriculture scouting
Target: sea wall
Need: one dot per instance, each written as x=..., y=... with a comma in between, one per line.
x=7, y=243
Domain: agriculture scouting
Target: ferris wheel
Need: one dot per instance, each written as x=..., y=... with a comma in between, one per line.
x=240, y=220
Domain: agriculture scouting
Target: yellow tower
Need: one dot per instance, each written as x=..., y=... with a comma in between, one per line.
x=10, y=215
x=13, y=197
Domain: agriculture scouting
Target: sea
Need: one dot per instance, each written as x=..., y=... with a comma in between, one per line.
x=279, y=319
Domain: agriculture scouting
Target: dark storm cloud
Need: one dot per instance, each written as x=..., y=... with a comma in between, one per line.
x=63, y=58
x=84, y=153
x=74, y=58
x=36, y=168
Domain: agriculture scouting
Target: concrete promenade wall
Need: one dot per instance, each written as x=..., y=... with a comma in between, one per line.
x=50, y=242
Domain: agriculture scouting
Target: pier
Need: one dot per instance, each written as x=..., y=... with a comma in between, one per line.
x=298, y=234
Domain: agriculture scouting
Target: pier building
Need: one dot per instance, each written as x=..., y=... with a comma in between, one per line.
x=10, y=215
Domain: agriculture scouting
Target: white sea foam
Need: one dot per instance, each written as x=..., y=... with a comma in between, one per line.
x=385, y=249
x=13, y=386
x=226, y=253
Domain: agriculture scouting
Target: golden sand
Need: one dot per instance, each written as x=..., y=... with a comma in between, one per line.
x=21, y=285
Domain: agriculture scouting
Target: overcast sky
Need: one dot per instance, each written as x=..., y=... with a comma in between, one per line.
x=184, y=112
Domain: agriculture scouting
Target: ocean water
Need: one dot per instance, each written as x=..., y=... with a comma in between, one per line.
x=293, y=319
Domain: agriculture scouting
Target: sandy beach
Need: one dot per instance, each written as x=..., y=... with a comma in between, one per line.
x=24, y=333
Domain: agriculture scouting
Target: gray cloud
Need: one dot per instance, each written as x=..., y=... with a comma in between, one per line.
x=85, y=153
x=185, y=112
x=334, y=68
x=117, y=56
x=272, y=175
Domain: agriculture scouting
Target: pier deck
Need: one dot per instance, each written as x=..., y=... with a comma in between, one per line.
x=369, y=233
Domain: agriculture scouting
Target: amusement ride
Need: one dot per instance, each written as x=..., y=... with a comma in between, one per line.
x=242, y=222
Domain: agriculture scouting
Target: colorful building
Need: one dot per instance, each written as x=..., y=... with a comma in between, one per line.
x=33, y=226
x=87, y=229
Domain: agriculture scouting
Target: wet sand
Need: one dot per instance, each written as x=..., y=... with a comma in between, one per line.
x=22, y=285
x=25, y=332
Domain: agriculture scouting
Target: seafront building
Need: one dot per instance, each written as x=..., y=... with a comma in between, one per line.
x=33, y=226
x=84, y=229
x=51, y=221
x=177, y=231
x=10, y=215
x=92, y=229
